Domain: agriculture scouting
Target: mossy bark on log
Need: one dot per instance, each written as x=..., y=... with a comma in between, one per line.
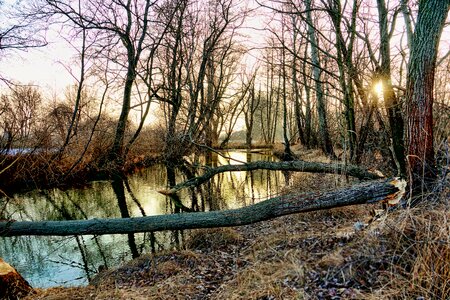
x=296, y=165
x=265, y=210
x=12, y=284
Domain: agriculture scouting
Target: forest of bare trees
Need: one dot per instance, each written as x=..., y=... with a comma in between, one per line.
x=168, y=78
x=172, y=82
x=312, y=82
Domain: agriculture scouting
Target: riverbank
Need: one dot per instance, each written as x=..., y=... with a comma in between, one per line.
x=27, y=170
x=40, y=171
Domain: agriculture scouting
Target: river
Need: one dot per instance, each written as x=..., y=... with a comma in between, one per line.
x=72, y=261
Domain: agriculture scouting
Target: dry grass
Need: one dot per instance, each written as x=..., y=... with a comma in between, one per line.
x=431, y=266
x=417, y=243
x=212, y=239
x=278, y=280
x=403, y=255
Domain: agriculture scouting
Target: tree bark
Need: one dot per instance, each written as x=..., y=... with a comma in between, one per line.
x=419, y=93
x=12, y=284
x=275, y=207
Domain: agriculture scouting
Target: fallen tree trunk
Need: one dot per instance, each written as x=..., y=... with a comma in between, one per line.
x=272, y=208
x=296, y=165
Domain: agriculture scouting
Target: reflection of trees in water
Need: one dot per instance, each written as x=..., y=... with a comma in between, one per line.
x=71, y=214
x=136, y=201
x=31, y=256
x=234, y=189
x=221, y=192
x=118, y=187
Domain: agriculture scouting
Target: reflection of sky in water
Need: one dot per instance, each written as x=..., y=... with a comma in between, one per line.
x=40, y=261
x=52, y=261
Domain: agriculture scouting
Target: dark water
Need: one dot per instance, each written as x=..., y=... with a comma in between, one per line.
x=69, y=261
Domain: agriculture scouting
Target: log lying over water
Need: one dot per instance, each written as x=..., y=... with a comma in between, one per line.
x=296, y=165
x=275, y=207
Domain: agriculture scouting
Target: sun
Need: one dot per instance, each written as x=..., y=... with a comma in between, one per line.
x=378, y=88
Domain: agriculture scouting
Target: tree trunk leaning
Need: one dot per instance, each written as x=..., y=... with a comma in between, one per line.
x=12, y=284
x=275, y=207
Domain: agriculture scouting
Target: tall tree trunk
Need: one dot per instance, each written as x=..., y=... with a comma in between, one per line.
x=287, y=146
x=299, y=116
x=347, y=74
x=393, y=106
x=252, y=104
x=172, y=145
x=419, y=93
x=117, y=148
x=310, y=139
x=327, y=146
x=128, y=38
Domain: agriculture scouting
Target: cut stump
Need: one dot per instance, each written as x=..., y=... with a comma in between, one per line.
x=12, y=284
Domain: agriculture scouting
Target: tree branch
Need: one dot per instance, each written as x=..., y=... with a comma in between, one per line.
x=296, y=165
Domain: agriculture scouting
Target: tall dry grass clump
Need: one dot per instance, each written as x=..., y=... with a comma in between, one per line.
x=430, y=274
x=415, y=244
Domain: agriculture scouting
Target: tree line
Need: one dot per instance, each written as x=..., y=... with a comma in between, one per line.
x=182, y=62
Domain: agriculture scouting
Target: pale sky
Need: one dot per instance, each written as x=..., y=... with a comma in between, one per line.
x=40, y=66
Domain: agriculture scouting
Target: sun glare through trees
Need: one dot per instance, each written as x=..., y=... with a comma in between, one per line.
x=378, y=88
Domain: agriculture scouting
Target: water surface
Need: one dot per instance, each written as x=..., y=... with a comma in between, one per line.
x=71, y=261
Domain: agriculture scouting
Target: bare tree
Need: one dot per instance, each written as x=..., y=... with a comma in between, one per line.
x=392, y=104
x=112, y=24
x=73, y=123
x=16, y=33
x=303, y=120
x=19, y=116
x=197, y=62
x=269, y=104
x=327, y=145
